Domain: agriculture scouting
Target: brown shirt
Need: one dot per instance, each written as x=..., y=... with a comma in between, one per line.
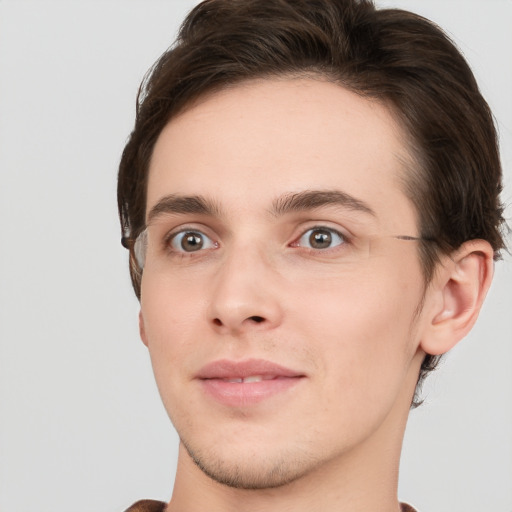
x=159, y=506
x=147, y=506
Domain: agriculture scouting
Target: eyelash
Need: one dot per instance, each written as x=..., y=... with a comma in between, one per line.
x=343, y=238
x=176, y=236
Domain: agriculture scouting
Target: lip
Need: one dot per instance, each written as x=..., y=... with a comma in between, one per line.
x=223, y=380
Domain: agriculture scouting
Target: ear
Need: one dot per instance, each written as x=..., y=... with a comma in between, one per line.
x=142, y=329
x=456, y=295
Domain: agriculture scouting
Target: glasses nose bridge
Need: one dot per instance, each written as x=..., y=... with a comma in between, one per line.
x=246, y=263
x=244, y=291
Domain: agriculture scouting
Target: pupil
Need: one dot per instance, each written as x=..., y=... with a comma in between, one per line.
x=191, y=242
x=320, y=239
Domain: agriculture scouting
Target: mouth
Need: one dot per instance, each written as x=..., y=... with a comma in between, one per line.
x=252, y=378
x=245, y=383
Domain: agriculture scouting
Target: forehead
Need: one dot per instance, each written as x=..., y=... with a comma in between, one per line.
x=249, y=144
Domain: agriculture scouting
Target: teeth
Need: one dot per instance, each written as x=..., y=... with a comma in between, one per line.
x=251, y=378
x=254, y=378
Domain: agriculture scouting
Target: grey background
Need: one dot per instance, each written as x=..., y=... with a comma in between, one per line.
x=81, y=425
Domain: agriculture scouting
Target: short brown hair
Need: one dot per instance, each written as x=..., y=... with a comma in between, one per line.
x=391, y=55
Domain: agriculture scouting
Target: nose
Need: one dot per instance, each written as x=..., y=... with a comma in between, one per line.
x=245, y=295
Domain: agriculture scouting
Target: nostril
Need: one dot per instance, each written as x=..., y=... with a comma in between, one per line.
x=217, y=322
x=257, y=319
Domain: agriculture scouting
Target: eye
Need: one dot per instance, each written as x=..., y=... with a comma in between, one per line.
x=320, y=238
x=191, y=241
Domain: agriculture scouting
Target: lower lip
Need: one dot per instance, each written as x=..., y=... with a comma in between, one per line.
x=240, y=394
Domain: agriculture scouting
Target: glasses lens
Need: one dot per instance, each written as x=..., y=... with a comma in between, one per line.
x=140, y=248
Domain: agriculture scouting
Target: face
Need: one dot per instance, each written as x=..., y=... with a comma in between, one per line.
x=278, y=305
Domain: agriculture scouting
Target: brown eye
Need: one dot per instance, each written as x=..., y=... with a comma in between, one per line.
x=321, y=238
x=191, y=241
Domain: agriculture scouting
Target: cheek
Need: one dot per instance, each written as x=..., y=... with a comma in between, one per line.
x=171, y=321
x=361, y=331
x=170, y=308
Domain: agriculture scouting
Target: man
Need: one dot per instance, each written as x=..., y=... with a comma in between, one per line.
x=310, y=197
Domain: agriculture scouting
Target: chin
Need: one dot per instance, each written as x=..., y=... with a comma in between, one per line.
x=248, y=471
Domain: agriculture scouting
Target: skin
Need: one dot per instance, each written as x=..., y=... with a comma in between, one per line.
x=356, y=325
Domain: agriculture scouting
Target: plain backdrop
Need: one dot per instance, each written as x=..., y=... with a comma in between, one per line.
x=81, y=424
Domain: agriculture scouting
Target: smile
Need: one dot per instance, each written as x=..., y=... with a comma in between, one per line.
x=252, y=378
x=245, y=383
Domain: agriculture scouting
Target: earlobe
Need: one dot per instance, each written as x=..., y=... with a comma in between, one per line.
x=142, y=329
x=458, y=292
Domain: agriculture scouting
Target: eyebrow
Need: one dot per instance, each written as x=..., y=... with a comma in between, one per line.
x=287, y=203
x=176, y=204
x=312, y=199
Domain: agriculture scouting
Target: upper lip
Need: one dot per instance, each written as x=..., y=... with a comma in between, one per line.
x=227, y=369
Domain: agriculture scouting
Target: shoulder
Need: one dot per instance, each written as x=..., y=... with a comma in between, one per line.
x=147, y=506
x=159, y=506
